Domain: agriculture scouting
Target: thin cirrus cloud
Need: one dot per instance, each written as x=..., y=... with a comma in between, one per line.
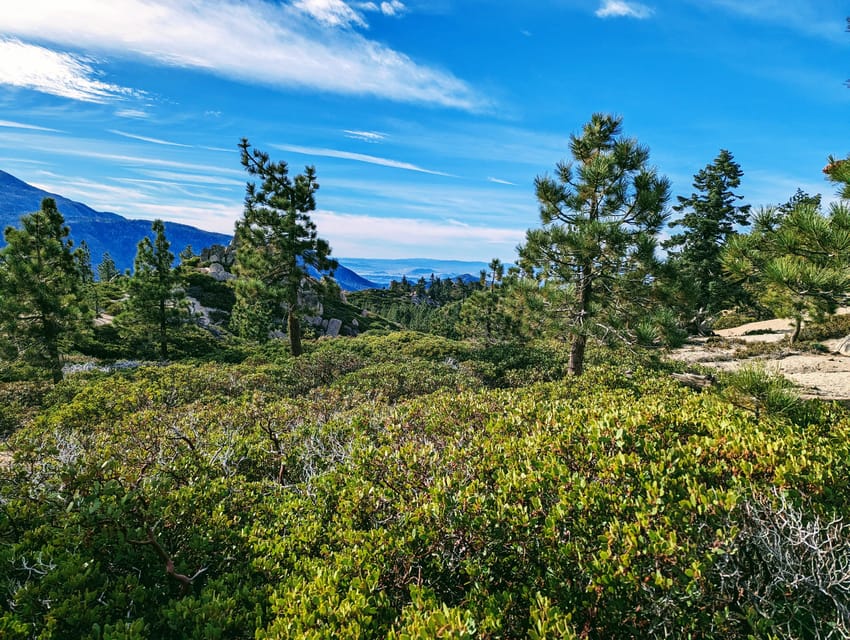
x=337, y=13
x=357, y=157
x=252, y=41
x=334, y=13
x=137, y=114
x=813, y=18
x=623, y=9
x=353, y=234
x=22, y=125
x=146, y=139
x=365, y=136
x=30, y=66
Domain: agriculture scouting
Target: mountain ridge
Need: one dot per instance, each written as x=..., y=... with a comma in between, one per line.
x=110, y=232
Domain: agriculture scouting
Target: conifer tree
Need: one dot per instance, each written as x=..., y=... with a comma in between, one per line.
x=39, y=287
x=795, y=263
x=106, y=270
x=838, y=172
x=276, y=242
x=709, y=217
x=154, y=295
x=601, y=215
x=88, y=290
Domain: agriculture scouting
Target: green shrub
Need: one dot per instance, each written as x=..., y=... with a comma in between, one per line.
x=346, y=494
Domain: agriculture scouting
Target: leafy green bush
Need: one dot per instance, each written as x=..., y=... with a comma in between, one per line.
x=346, y=494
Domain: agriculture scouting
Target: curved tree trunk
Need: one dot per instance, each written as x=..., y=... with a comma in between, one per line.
x=798, y=328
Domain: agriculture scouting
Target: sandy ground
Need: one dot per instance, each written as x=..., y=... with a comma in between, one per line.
x=824, y=375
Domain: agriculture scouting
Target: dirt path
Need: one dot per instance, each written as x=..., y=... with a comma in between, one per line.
x=825, y=375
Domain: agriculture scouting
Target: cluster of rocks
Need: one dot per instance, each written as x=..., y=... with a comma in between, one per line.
x=217, y=272
x=333, y=327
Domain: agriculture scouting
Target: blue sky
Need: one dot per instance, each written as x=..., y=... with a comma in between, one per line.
x=427, y=120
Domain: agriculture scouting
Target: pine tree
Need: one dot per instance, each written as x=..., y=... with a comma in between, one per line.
x=155, y=299
x=838, y=172
x=106, y=270
x=795, y=264
x=600, y=216
x=39, y=287
x=497, y=272
x=276, y=242
x=709, y=219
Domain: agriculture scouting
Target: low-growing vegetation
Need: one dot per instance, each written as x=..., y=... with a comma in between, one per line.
x=444, y=491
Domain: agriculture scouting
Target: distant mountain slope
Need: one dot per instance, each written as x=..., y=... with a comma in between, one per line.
x=101, y=231
x=116, y=234
x=384, y=270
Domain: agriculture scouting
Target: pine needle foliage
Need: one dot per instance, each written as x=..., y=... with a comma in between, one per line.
x=39, y=288
x=276, y=244
x=600, y=216
x=155, y=298
x=795, y=263
x=709, y=217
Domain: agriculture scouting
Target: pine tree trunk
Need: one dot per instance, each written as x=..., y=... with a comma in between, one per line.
x=55, y=361
x=576, y=364
x=163, y=331
x=50, y=334
x=294, y=330
x=798, y=328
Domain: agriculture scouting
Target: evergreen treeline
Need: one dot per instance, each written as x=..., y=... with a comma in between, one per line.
x=595, y=270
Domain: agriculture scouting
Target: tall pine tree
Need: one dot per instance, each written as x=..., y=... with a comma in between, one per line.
x=601, y=215
x=155, y=298
x=39, y=288
x=710, y=216
x=276, y=242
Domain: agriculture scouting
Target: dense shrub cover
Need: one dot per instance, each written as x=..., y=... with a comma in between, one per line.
x=405, y=486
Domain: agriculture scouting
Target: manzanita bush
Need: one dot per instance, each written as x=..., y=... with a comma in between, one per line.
x=406, y=487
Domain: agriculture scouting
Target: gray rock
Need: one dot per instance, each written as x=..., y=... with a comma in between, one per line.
x=218, y=273
x=334, y=325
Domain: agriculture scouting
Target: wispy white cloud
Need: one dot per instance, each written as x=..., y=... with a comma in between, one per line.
x=193, y=178
x=500, y=181
x=143, y=200
x=254, y=41
x=137, y=114
x=146, y=139
x=393, y=8
x=357, y=157
x=365, y=136
x=22, y=125
x=361, y=235
x=334, y=13
x=623, y=9
x=62, y=74
x=81, y=148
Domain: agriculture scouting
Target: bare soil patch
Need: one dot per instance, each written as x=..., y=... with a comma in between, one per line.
x=819, y=375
